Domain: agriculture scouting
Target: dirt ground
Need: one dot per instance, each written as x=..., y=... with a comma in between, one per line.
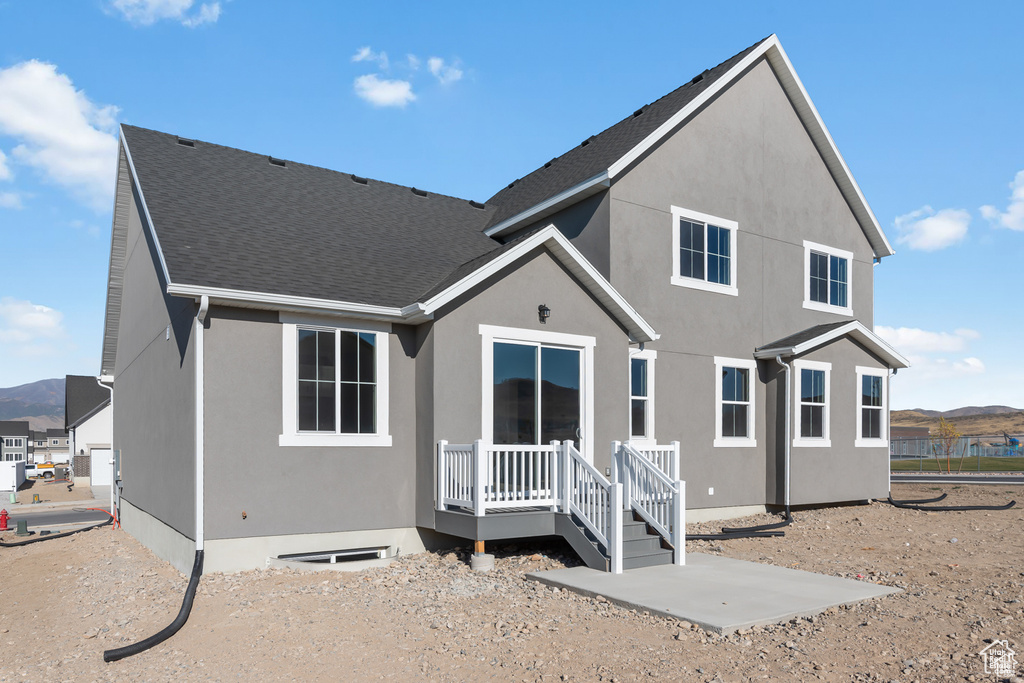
x=48, y=492
x=428, y=617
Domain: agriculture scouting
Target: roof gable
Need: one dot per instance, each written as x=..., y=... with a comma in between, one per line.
x=819, y=335
x=596, y=163
x=83, y=398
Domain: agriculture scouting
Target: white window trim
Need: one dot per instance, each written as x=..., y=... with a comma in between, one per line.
x=290, y=435
x=831, y=251
x=693, y=283
x=859, y=441
x=492, y=333
x=749, y=441
x=649, y=355
x=805, y=442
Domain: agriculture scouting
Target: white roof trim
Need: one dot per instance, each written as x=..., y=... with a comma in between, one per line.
x=772, y=50
x=552, y=204
x=284, y=302
x=855, y=329
x=574, y=261
x=149, y=219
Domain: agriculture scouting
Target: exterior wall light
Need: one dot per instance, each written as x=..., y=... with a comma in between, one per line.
x=543, y=312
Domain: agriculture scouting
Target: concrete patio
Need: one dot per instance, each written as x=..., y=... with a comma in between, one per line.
x=719, y=594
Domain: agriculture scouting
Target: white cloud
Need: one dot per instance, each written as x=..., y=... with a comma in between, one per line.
x=23, y=322
x=384, y=93
x=445, y=73
x=413, y=61
x=930, y=230
x=1013, y=217
x=148, y=12
x=365, y=54
x=915, y=340
x=5, y=170
x=61, y=132
x=10, y=200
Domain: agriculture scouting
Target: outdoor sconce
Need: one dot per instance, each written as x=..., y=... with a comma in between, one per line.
x=543, y=312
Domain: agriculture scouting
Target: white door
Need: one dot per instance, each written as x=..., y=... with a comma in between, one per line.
x=100, y=467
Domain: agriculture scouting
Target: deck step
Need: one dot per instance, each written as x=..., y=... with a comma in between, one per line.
x=660, y=556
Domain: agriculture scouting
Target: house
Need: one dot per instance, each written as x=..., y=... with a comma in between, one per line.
x=58, y=445
x=87, y=419
x=15, y=443
x=305, y=360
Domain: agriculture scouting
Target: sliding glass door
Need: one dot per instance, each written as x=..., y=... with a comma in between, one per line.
x=537, y=396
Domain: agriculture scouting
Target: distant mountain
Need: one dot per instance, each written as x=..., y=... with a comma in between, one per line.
x=40, y=403
x=964, y=412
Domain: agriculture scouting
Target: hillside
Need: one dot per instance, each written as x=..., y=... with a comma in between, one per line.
x=40, y=403
x=974, y=424
x=966, y=411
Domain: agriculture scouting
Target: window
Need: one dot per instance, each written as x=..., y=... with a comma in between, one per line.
x=734, y=402
x=872, y=424
x=812, y=403
x=827, y=284
x=335, y=386
x=55, y=442
x=703, y=251
x=641, y=395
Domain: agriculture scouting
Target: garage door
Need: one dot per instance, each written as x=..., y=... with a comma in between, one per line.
x=100, y=467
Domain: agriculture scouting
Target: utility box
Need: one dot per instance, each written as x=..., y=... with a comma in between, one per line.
x=60, y=472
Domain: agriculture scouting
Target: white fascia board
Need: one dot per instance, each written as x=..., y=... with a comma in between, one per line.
x=854, y=328
x=281, y=302
x=772, y=50
x=145, y=208
x=552, y=204
x=573, y=260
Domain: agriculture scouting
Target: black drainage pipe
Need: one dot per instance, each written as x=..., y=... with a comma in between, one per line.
x=918, y=502
x=170, y=629
x=730, y=536
x=760, y=527
x=950, y=508
x=53, y=536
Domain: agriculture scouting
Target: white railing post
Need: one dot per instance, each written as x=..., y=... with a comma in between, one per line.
x=479, y=476
x=679, y=522
x=615, y=528
x=566, y=494
x=674, y=474
x=554, y=482
x=442, y=473
x=615, y=462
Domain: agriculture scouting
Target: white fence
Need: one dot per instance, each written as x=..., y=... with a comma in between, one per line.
x=12, y=475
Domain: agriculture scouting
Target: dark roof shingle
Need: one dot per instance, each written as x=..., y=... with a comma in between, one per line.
x=82, y=397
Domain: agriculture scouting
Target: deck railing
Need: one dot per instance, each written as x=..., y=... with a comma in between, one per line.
x=659, y=500
x=595, y=501
x=665, y=458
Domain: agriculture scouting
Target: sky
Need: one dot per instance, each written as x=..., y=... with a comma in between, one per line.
x=923, y=99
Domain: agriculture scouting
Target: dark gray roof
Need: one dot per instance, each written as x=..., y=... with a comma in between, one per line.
x=14, y=428
x=802, y=336
x=602, y=150
x=83, y=397
x=56, y=433
x=230, y=219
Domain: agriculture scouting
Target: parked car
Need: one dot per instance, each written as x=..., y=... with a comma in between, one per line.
x=43, y=470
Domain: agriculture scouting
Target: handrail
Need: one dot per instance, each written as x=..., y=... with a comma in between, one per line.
x=660, y=501
x=666, y=458
x=595, y=502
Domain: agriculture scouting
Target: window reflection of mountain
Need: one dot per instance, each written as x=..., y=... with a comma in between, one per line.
x=515, y=411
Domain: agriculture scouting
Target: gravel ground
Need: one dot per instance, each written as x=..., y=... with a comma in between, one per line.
x=428, y=617
x=49, y=492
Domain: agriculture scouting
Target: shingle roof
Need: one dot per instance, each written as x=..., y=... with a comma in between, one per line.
x=814, y=337
x=82, y=398
x=56, y=433
x=14, y=428
x=803, y=336
x=600, y=151
x=230, y=219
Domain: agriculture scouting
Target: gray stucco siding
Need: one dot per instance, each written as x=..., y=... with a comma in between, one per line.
x=154, y=389
x=512, y=301
x=842, y=472
x=298, y=489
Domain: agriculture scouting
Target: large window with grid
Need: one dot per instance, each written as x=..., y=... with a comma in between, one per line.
x=703, y=251
x=335, y=383
x=827, y=285
x=812, y=403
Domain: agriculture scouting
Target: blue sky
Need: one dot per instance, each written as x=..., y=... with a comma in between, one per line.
x=923, y=100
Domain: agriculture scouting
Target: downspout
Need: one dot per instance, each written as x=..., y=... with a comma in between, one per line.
x=789, y=444
x=113, y=479
x=204, y=307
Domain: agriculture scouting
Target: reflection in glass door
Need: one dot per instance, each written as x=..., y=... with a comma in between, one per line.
x=530, y=412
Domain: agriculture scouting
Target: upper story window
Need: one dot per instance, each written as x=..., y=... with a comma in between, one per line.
x=55, y=442
x=335, y=386
x=827, y=279
x=734, y=402
x=812, y=403
x=641, y=394
x=872, y=425
x=703, y=251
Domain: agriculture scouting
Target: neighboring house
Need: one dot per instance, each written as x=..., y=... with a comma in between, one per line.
x=59, y=446
x=87, y=416
x=15, y=443
x=40, y=448
x=291, y=346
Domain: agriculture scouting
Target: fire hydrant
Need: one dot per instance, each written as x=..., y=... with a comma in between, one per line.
x=3, y=520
